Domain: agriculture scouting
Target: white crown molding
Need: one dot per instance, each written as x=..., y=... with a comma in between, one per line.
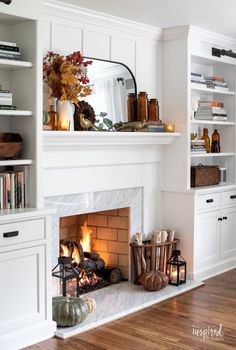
x=202, y=35
x=80, y=14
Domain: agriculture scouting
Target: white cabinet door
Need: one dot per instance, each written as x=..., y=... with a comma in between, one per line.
x=22, y=292
x=228, y=233
x=207, y=238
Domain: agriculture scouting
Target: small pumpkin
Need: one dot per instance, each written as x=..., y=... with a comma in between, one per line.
x=153, y=280
x=91, y=303
x=68, y=312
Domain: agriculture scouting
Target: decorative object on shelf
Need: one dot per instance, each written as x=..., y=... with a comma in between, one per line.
x=211, y=110
x=10, y=51
x=205, y=175
x=67, y=78
x=91, y=303
x=223, y=175
x=153, y=110
x=11, y=145
x=132, y=107
x=130, y=126
x=53, y=115
x=207, y=141
x=142, y=106
x=169, y=127
x=153, y=280
x=68, y=312
x=87, y=124
x=13, y=189
x=215, y=142
x=197, y=146
x=222, y=52
x=66, y=115
x=46, y=119
x=87, y=110
x=176, y=269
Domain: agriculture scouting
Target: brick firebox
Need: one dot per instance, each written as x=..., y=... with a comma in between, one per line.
x=109, y=237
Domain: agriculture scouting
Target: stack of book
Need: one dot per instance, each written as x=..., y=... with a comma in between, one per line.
x=217, y=83
x=12, y=190
x=198, y=146
x=211, y=110
x=198, y=79
x=9, y=51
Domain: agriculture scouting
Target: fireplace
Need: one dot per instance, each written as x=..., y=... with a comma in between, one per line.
x=113, y=216
x=94, y=250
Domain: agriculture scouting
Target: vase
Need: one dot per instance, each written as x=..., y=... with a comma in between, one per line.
x=66, y=111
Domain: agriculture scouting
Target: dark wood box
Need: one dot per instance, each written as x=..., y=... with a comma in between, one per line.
x=205, y=175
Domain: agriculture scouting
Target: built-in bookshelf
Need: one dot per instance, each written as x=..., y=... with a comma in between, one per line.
x=19, y=78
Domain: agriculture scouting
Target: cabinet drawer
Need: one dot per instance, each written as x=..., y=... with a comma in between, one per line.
x=20, y=232
x=229, y=198
x=208, y=201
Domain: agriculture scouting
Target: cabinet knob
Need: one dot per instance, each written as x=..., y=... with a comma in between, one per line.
x=233, y=196
x=220, y=219
x=225, y=218
x=11, y=234
x=209, y=200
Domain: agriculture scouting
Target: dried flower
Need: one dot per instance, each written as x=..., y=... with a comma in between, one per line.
x=66, y=76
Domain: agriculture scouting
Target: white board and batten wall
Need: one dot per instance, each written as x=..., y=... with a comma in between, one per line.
x=67, y=29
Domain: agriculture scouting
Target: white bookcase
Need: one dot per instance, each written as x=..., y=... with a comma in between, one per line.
x=25, y=234
x=203, y=217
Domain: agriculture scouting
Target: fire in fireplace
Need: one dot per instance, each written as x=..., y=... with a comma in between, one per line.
x=82, y=270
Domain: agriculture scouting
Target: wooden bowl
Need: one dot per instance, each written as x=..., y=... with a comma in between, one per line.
x=11, y=145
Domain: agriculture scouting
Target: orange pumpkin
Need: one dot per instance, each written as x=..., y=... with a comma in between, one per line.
x=153, y=280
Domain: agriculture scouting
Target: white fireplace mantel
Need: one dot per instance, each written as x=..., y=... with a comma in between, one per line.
x=94, y=138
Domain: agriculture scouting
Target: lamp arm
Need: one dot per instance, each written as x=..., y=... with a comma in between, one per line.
x=6, y=2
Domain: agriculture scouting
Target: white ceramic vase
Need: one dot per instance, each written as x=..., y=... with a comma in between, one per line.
x=66, y=111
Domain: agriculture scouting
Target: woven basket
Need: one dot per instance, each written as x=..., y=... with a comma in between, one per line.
x=11, y=145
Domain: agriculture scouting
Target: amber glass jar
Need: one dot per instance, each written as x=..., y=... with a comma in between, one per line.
x=153, y=110
x=206, y=139
x=215, y=142
x=53, y=115
x=132, y=107
x=142, y=106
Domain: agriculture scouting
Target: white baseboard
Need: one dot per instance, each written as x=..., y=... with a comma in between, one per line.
x=202, y=275
x=26, y=336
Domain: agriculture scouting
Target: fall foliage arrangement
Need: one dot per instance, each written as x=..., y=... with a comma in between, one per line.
x=66, y=76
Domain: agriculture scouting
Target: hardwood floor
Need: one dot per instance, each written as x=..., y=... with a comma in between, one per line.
x=168, y=325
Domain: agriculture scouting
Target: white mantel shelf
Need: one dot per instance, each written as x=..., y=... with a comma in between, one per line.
x=95, y=138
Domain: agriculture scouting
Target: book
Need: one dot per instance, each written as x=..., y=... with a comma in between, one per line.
x=210, y=104
x=7, y=107
x=10, y=57
x=14, y=53
x=211, y=118
x=7, y=43
x=198, y=82
x=9, y=48
x=5, y=94
x=6, y=102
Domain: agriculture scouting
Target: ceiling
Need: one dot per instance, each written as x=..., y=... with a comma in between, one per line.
x=214, y=15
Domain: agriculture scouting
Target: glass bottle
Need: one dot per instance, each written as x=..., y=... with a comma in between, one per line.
x=142, y=106
x=53, y=115
x=215, y=142
x=206, y=139
x=132, y=107
x=153, y=110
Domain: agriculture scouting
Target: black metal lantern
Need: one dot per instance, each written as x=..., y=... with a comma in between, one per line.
x=176, y=269
x=66, y=271
x=7, y=2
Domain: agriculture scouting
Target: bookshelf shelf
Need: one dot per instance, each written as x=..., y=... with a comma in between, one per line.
x=15, y=113
x=196, y=87
x=12, y=64
x=211, y=122
x=14, y=162
x=210, y=155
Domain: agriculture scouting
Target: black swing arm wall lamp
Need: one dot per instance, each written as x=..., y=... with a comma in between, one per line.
x=7, y=2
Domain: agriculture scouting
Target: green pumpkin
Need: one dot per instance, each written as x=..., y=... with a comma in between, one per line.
x=68, y=312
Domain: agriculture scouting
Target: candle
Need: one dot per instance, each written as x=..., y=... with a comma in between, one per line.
x=169, y=127
x=65, y=125
x=182, y=274
x=173, y=276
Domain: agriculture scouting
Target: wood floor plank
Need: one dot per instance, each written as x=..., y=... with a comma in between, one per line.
x=168, y=325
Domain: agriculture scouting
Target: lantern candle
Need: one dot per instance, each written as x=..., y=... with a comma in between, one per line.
x=173, y=276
